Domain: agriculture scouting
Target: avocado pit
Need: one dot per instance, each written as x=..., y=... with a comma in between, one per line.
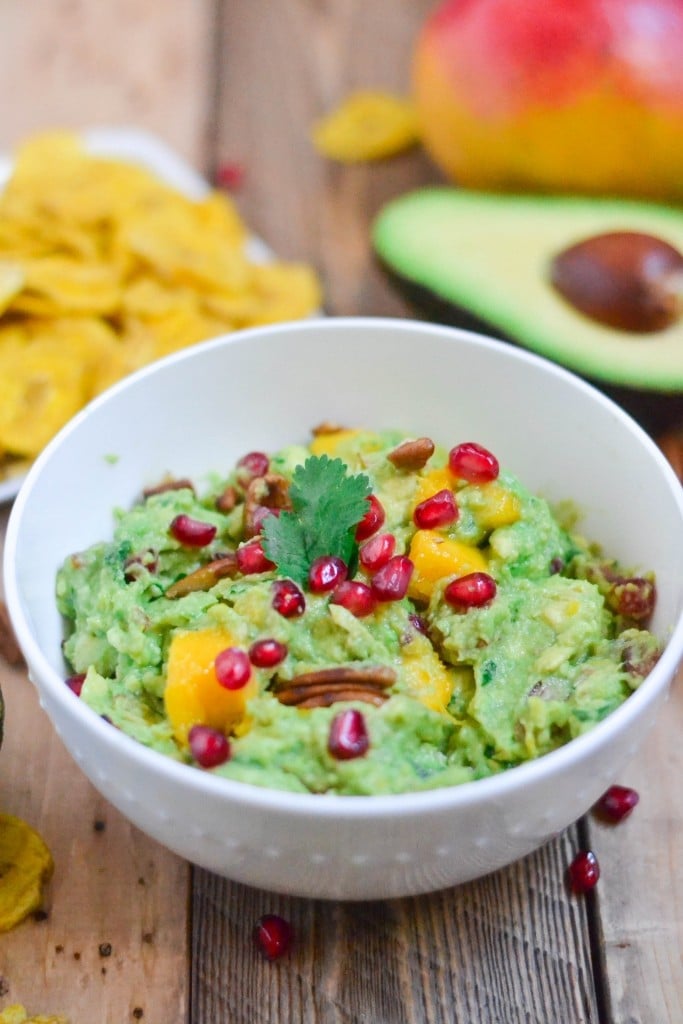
x=628, y=280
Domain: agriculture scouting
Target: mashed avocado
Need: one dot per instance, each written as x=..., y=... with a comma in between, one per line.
x=460, y=621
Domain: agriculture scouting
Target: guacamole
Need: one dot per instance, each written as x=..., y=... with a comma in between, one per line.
x=367, y=613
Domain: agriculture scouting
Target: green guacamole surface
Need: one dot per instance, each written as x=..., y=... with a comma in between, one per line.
x=476, y=690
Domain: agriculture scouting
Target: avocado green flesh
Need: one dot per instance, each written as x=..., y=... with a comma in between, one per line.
x=490, y=255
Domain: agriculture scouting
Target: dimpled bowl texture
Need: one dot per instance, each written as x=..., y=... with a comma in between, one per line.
x=201, y=409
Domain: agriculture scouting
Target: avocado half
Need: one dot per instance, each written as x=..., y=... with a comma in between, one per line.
x=482, y=261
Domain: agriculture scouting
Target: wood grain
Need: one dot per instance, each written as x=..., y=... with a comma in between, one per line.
x=81, y=64
x=512, y=947
x=115, y=936
x=640, y=895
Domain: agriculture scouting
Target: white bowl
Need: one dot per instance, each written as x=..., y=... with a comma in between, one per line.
x=198, y=411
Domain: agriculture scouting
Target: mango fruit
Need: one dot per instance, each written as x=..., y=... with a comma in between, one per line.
x=554, y=95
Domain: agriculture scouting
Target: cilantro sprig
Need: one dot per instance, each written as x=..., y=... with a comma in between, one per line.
x=327, y=505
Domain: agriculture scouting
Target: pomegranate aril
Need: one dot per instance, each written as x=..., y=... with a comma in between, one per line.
x=232, y=668
x=474, y=590
x=390, y=583
x=258, y=517
x=208, y=746
x=472, y=462
x=267, y=653
x=273, y=936
x=616, y=803
x=325, y=573
x=584, y=871
x=288, y=599
x=438, y=510
x=377, y=551
x=251, y=465
x=193, y=533
x=251, y=558
x=356, y=597
x=229, y=175
x=372, y=520
x=348, y=737
x=75, y=683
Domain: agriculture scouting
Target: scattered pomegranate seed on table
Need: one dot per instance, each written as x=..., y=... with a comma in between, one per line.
x=372, y=520
x=75, y=683
x=356, y=597
x=273, y=936
x=267, y=653
x=251, y=558
x=208, y=746
x=230, y=175
x=193, y=533
x=348, y=735
x=616, y=803
x=325, y=573
x=288, y=599
x=438, y=510
x=472, y=462
x=232, y=668
x=391, y=582
x=474, y=590
x=584, y=872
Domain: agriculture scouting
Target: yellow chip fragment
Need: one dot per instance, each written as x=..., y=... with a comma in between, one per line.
x=367, y=126
x=25, y=866
x=17, y=1014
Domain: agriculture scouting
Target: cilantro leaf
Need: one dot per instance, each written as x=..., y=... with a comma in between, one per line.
x=327, y=505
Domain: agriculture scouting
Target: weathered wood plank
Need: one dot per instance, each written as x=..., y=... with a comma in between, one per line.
x=112, y=887
x=508, y=948
x=81, y=64
x=640, y=894
x=278, y=75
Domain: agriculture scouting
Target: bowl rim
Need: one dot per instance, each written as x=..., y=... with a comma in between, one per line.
x=325, y=805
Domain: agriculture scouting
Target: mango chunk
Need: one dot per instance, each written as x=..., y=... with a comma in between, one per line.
x=498, y=506
x=327, y=444
x=427, y=678
x=431, y=483
x=435, y=557
x=193, y=695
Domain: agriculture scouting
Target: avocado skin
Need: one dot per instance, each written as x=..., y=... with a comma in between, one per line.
x=656, y=411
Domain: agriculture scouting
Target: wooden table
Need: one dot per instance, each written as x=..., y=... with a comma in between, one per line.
x=134, y=933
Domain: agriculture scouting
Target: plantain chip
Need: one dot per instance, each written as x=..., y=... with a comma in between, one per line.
x=104, y=267
x=25, y=867
x=367, y=126
x=17, y=1014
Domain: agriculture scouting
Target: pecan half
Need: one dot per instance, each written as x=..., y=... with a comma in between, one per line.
x=9, y=648
x=226, y=501
x=269, y=491
x=326, y=686
x=169, y=484
x=205, y=577
x=412, y=455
